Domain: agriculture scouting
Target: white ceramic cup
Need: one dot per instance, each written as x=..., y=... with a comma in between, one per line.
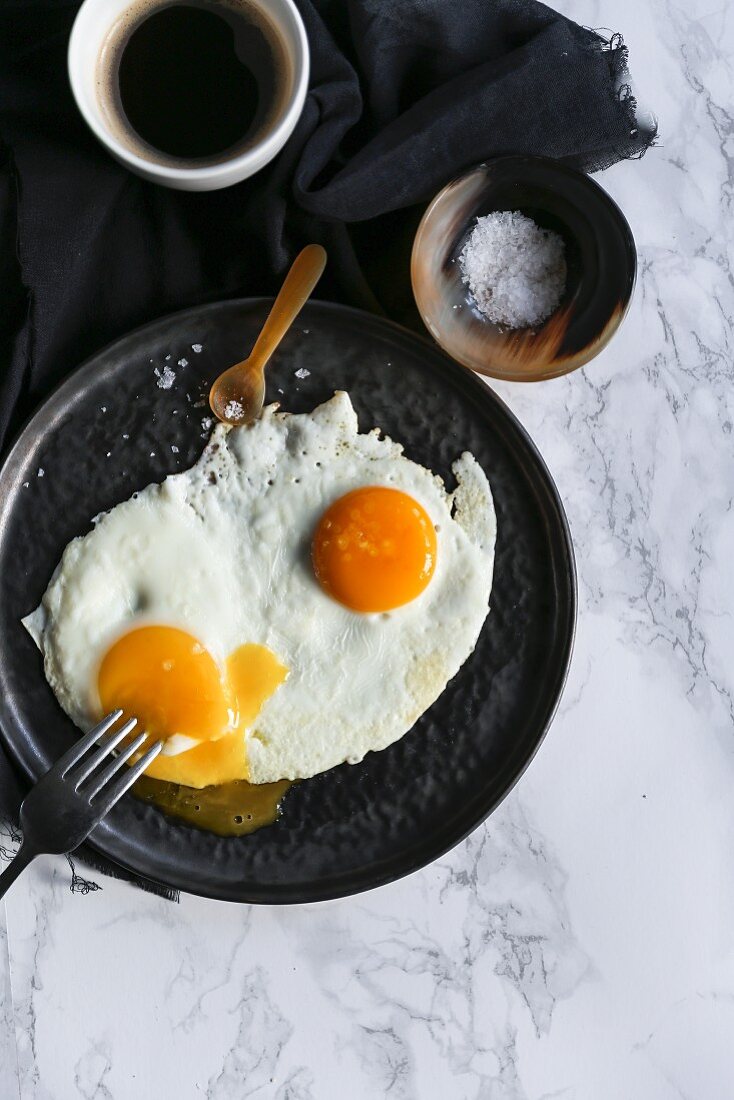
x=94, y=20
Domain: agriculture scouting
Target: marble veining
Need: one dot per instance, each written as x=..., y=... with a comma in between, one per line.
x=9, y=1086
x=580, y=944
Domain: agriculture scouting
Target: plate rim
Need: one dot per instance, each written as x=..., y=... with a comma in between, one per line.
x=323, y=889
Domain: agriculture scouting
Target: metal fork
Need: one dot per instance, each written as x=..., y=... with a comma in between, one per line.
x=63, y=808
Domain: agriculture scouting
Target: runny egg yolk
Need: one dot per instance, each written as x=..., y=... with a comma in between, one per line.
x=374, y=549
x=173, y=686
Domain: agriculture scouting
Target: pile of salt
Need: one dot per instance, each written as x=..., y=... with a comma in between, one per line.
x=515, y=270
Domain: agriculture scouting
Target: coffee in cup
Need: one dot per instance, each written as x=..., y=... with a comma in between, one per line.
x=191, y=93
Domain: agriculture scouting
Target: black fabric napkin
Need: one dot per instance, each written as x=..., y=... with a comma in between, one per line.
x=404, y=95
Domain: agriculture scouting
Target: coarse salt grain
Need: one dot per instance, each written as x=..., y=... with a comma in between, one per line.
x=166, y=378
x=233, y=409
x=196, y=348
x=183, y=362
x=302, y=373
x=206, y=423
x=515, y=270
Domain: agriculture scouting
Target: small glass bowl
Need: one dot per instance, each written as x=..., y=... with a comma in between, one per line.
x=600, y=257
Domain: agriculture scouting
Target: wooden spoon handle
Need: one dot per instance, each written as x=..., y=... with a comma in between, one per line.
x=305, y=272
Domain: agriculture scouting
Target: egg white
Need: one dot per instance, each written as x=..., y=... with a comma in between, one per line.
x=223, y=550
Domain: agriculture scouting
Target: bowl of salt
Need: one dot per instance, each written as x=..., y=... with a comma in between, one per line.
x=523, y=268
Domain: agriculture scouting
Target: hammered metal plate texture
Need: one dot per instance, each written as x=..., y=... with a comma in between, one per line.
x=110, y=429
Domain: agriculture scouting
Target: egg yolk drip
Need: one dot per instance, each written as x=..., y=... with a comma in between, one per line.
x=173, y=686
x=374, y=549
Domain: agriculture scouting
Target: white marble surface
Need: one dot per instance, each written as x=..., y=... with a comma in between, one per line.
x=581, y=944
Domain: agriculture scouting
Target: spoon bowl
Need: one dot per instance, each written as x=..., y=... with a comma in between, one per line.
x=238, y=395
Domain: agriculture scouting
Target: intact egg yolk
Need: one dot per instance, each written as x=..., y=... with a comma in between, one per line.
x=374, y=549
x=172, y=685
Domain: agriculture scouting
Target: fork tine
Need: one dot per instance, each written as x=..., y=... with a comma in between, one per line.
x=78, y=776
x=77, y=750
x=116, y=790
x=98, y=781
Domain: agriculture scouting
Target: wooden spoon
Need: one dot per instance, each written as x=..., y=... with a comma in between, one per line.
x=238, y=395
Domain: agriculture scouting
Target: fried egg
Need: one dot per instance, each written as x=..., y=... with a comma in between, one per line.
x=296, y=599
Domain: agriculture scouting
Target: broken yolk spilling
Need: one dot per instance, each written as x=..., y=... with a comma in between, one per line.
x=166, y=679
x=374, y=549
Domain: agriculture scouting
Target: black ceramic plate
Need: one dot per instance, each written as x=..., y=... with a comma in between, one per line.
x=354, y=827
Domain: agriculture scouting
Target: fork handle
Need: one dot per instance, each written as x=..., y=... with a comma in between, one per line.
x=22, y=858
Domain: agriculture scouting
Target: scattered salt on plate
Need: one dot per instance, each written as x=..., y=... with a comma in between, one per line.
x=166, y=377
